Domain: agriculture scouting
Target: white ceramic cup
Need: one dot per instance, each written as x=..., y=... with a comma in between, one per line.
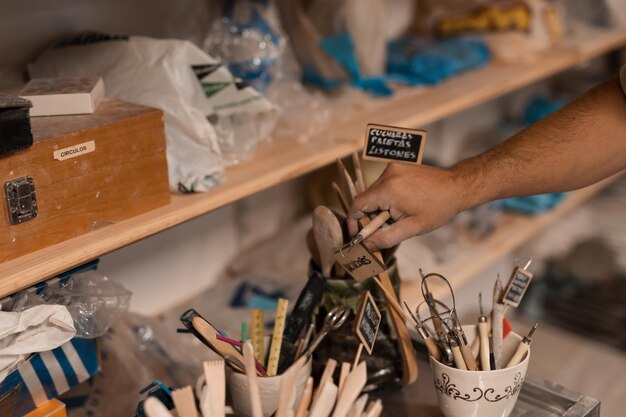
x=269, y=387
x=480, y=393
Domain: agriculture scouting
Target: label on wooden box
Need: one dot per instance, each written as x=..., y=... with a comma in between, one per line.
x=74, y=151
x=394, y=144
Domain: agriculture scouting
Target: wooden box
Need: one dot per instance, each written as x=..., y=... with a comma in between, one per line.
x=87, y=171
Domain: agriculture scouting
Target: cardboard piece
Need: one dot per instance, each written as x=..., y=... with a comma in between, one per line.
x=360, y=263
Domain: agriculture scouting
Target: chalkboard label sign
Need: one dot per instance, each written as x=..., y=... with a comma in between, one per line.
x=518, y=284
x=367, y=321
x=394, y=144
x=359, y=262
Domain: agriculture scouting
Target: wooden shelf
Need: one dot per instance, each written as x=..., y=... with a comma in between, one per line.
x=514, y=231
x=284, y=160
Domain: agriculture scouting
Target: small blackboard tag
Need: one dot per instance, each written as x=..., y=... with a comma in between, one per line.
x=517, y=286
x=394, y=144
x=367, y=322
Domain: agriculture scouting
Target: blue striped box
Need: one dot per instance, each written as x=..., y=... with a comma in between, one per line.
x=47, y=375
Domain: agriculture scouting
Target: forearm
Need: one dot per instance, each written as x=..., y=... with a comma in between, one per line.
x=576, y=146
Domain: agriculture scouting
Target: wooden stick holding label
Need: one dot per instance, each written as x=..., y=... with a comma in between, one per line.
x=366, y=325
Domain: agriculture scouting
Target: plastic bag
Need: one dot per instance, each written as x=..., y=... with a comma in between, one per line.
x=94, y=302
x=191, y=87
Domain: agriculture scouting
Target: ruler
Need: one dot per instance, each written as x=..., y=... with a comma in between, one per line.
x=277, y=336
x=258, y=335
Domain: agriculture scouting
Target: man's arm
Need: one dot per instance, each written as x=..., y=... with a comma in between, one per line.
x=578, y=145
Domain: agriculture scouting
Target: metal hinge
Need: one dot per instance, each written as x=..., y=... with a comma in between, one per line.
x=21, y=199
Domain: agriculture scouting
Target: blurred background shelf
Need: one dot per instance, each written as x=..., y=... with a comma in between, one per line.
x=283, y=160
x=513, y=231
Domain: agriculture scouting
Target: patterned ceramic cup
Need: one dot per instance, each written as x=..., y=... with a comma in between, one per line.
x=480, y=393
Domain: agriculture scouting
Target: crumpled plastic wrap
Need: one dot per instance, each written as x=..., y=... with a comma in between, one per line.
x=94, y=302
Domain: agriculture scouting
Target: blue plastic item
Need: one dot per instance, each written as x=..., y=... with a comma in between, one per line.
x=413, y=61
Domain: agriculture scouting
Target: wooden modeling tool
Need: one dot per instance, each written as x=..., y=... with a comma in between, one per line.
x=343, y=202
x=497, y=314
x=258, y=335
x=354, y=384
x=253, y=385
x=469, y=359
x=155, y=408
x=329, y=237
x=206, y=406
x=343, y=375
x=311, y=244
x=203, y=330
x=185, y=402
x=375, y=409
x=216, y=385
x=433, y=350
x=287, y=395
x=483, y=336
x=327, y=376
x=459, y=362
x=522, y=349
x=347, y=179
x=358, y=407
x=326, y=401
x=305, y=401
x=277, y=336
x=366, y=325
x=358, y=171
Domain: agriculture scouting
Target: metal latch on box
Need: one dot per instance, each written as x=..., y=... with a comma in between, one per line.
x=21, y=199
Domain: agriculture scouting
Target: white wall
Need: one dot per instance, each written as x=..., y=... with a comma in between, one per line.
x=29, y=26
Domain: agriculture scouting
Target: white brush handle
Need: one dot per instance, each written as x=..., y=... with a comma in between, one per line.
x=483, y=330
x=497, y=315
x=155, y=408
x=521, y=351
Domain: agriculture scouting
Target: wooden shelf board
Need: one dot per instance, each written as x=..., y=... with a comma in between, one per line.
x=514, y=231
x=283, y=160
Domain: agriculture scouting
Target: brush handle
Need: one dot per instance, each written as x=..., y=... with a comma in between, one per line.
x=521, y=351
x=373, y=225
x=497, y=315
x=483, y=337
x=432, y=347
x=459, y=362
x=469, y=359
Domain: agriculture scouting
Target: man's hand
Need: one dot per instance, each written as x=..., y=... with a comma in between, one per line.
x=419, y=199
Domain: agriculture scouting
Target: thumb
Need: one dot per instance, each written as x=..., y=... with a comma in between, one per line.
x=391, y=235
